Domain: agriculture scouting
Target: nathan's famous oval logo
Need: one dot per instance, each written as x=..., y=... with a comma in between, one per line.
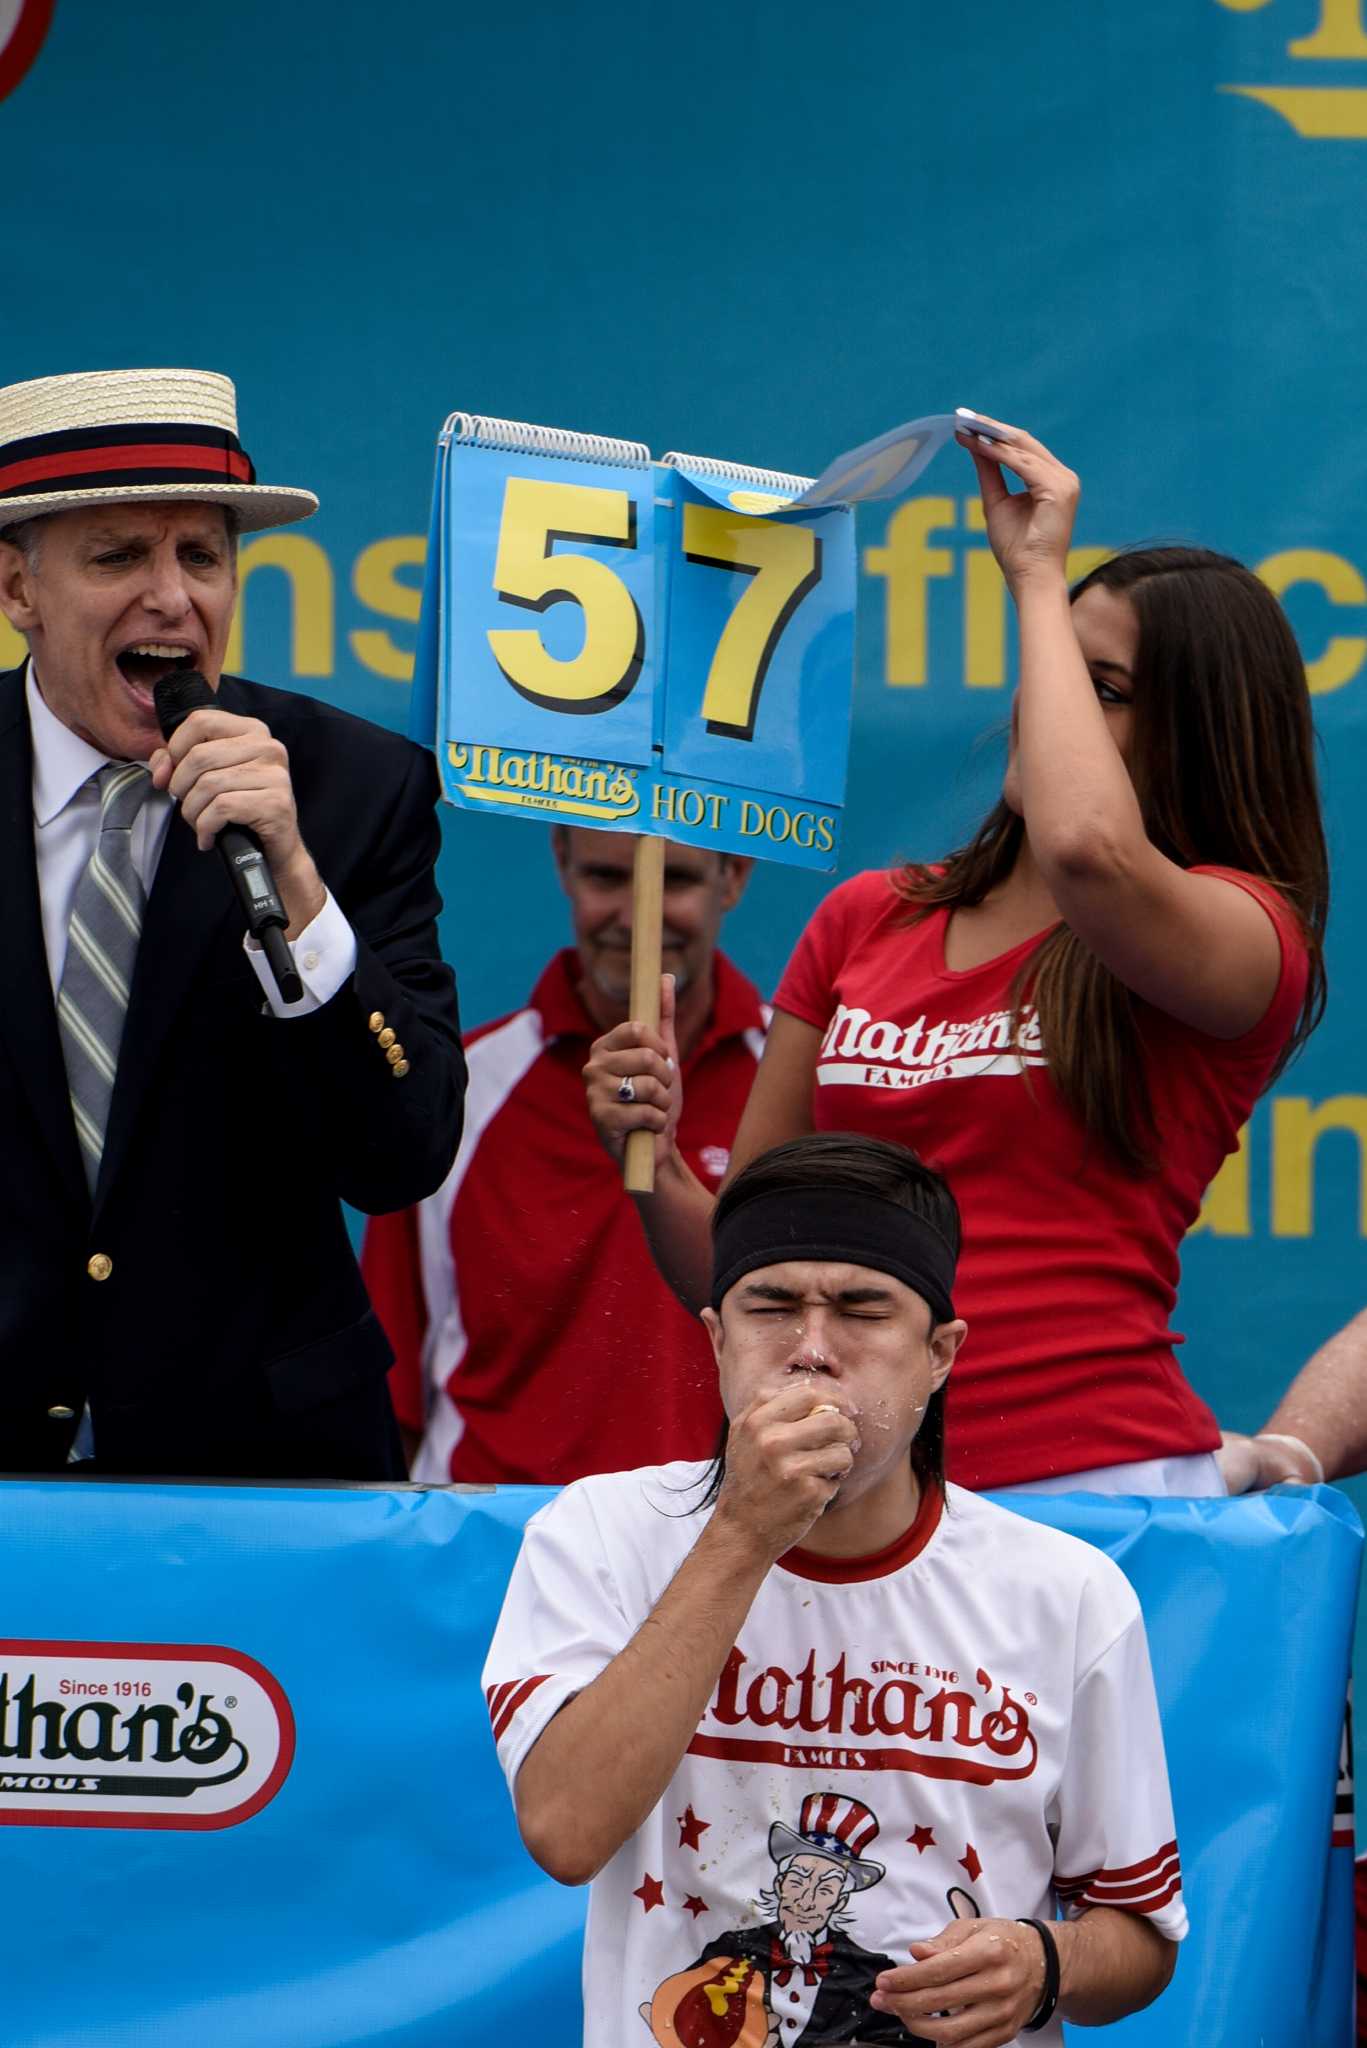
x=23, y=24
x=138, y=1735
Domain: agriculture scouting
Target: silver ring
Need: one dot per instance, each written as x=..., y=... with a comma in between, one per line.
x=625, y=1090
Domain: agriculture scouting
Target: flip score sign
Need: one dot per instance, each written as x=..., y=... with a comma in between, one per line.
x=646, y=647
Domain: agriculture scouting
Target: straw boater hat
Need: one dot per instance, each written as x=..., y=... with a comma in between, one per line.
x=115, y=437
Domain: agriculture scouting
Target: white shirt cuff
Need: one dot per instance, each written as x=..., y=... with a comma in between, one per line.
x=325, y=955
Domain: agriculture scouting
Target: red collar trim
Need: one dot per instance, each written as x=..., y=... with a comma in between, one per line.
x=735, y=1002
x=879, y=1564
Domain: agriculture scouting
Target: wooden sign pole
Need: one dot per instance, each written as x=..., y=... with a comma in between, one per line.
x=647, y=927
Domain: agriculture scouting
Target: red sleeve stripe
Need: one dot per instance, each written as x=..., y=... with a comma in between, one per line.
x=1151, y=1905
x=1120, y=1872
x=1109, y=1881
x=497, y=1694
x=1104, y=1893
x=1164, y=1898
x=504, y=1700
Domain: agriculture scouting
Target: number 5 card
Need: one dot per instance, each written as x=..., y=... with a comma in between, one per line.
x=662, y=648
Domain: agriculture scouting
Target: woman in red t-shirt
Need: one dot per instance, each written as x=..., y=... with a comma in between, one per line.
x=1072, y=1016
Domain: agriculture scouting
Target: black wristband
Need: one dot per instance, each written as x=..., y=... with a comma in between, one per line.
x=1044, y=2011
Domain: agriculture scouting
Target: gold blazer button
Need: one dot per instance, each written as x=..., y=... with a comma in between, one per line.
x=99, y=1265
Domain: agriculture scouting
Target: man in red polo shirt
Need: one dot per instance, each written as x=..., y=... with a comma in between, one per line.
x=534, y=1339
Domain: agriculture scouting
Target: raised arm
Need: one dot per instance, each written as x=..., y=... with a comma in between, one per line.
x=1199, y=948
x=677, y=1216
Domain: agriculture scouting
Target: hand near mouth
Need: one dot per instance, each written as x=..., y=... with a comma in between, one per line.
x=787, y=1455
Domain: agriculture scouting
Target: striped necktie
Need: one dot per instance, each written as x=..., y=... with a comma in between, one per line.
x=102, y=944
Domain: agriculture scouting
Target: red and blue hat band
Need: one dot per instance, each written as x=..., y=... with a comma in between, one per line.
x=101, y=458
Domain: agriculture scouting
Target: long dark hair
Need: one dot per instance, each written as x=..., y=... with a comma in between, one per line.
x=864, y=1166
x=1223, y=764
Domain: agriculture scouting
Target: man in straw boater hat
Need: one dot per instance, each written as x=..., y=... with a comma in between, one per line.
x=815, y=1626
x=180, y=1295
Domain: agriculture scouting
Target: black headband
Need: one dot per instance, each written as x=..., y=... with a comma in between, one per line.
x=834, y=1224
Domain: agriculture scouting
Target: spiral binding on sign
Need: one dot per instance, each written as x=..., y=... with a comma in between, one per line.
x=521, y=437
x=738, y=473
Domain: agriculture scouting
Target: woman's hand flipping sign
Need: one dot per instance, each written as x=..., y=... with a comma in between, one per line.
x=1030, y=530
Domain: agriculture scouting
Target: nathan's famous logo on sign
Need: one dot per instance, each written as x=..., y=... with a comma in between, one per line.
x=1332, y=106
x=609, y=794
x=904, y=1715
x=138, y=1735
x=23, y=25
x=502, y=775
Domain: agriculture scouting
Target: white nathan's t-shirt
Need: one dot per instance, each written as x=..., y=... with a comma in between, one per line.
x=962, y=1725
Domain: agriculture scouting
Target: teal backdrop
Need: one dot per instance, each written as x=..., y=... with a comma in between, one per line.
x=767, y=232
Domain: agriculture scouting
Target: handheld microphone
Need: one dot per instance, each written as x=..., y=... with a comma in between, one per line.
x=176, y=695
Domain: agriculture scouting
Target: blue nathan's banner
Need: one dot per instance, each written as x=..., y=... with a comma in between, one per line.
x=248, y=1790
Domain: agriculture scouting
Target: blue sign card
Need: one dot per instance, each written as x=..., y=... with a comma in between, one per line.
x=648, y=648
x=545, y=608
x=610, y=642
x=759, y=664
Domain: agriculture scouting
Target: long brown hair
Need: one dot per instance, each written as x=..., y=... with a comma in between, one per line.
x=1223, y=764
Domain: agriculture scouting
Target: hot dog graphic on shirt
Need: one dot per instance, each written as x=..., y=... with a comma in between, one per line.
x=797, y=1979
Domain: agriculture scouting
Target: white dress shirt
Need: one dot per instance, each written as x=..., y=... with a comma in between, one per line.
x=66, y=823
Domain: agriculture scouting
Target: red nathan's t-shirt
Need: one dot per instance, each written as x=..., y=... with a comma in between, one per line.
x=534, y=1339
x=1070, y=1265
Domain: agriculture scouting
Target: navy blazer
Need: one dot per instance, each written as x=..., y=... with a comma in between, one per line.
x=207, y=1303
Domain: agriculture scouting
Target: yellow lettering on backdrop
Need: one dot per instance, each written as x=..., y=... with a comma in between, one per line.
x=1082, y=561
x=13, y=646
x=908, y=562
x=984, y=610
x=1317, y=110
x=1297, y=1128
x=1225, y=1210
x=1339, y=32
x=311, y=600
x=377, y=585
x=1342, y=584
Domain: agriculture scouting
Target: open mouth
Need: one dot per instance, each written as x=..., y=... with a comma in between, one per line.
x=147, y=661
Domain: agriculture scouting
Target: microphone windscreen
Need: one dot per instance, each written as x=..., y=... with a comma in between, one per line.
x=176, y=695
